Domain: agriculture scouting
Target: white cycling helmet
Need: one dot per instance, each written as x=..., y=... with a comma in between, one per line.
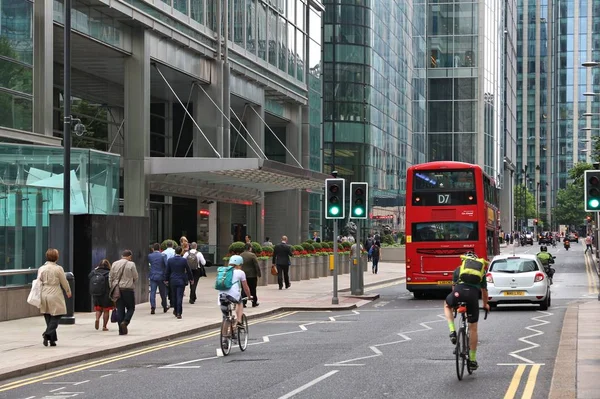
x=236, y=260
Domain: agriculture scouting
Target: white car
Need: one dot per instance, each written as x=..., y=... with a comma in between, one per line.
x=518, y=279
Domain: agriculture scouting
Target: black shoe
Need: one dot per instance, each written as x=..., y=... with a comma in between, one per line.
x=472, y=364
x=192, y=302
x=255, y=304
x=179, y=316
x=45, y=341
x=453, y=337
x=280, y=287
x=165, y=310
x=288, y=286
x=175, y=314
x=52, y=343
x=124, y=328
x=152, y=311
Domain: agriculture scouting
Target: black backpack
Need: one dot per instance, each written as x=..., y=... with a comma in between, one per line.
x=375, y=251
x=98, y=284
x=192, y=260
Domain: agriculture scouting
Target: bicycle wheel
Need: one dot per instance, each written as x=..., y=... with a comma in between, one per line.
x=459, y=353
x=467, y=347
x=243, y=333
x=226, y=336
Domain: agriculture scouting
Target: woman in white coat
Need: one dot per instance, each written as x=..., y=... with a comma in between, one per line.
x=52, y=277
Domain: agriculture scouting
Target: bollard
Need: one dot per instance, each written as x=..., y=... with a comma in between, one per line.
x=356, y=276
x=69, y=318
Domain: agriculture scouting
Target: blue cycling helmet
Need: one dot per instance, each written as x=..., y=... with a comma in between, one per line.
x=236, y=260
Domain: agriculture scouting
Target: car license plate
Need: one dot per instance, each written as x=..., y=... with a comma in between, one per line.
x=514, y=293
x=444, y=282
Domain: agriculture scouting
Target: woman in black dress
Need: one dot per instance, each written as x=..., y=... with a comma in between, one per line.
x=102, y=303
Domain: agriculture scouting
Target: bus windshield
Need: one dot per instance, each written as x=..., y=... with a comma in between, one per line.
x=443, y=180
x=444, y=231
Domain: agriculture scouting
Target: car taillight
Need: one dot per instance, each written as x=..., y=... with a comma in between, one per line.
x=538, y=277
x=408, y=263
x=489, y=278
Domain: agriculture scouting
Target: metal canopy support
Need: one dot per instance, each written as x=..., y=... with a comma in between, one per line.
x=246, y=129
x=183, y=121
x=186, y=111
x=229, y=121
x=280, y=142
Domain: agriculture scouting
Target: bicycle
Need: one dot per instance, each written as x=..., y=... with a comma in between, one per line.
x=227, y=336
x=461, y=351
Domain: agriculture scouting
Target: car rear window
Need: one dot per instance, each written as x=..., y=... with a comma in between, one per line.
x=514, y=266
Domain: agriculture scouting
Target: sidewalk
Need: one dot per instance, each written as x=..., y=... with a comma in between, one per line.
x=22, y=351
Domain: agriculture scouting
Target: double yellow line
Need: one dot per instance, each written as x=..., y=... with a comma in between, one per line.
x=592, y=274
x=516, y=381
x=112, y=359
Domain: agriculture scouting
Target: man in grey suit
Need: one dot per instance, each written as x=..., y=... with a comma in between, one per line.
x=282, y=254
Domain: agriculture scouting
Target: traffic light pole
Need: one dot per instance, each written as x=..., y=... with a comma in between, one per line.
x=356, y=271
x=335, y=300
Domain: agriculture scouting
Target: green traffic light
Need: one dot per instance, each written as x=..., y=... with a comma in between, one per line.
x=594, y=203
x=358, y=211
x=334, y=210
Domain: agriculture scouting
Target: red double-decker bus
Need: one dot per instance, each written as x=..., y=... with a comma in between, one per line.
x=451, y=208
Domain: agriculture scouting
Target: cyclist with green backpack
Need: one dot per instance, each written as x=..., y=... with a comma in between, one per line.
x=230, y=280
x=468, y=280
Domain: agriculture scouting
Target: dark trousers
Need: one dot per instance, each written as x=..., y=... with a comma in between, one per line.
x=197, y=274
x=589, y=246
x=283, y=273
x=162, y=289
x=252, y=283
x=125, y=307
x=178, y=298
x=51, y=326
x=375, y=264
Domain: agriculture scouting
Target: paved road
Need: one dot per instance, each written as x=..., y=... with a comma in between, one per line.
x=395, y=347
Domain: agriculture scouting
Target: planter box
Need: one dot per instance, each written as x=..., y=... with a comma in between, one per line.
x=296, y=269
x=345, y=263
x=393, y=254
x=315, y=263
x=305, y=273
x=270, y=278
x=363, y=261
x=265, y=272
x=324, y=266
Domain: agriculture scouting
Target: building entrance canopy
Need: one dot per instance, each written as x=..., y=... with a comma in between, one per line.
x=229, y=179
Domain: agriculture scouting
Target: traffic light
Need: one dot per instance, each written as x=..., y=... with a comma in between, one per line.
x=592, y=190
x=535, y=222
x=334, y=198
x=588, y=219
x=359, y=200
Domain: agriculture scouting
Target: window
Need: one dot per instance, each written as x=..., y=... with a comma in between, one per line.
x=444, y=179
x=444, y=231
x=516, y=265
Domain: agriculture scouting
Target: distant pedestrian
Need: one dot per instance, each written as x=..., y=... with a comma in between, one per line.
x=53, y=280
x=253, y=273
x=588, y=244
x=375, y=256
x=368, y=245
x=158, y=265
x=177, y=276
x=196, y=262
x=316, y=237
x=282, y=258
x=100, y=289
x=170, y=251
x=267, y=242
x=248, y=239
x=123, y=274
x=184, y=243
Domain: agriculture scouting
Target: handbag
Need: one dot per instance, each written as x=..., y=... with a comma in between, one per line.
x=114, y=316
x=273, y=270
x=115, y=293
x=35, y=295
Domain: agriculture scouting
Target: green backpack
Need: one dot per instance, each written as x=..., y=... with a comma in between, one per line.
x=224, y=278
x=472, y=271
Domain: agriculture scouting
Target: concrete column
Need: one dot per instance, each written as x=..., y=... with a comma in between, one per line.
x=293, y=135
x=304, y=217
x=260, y=220
x=224, y=236
x=255, y=127
x=137, y=125
x=212, y=224
x=209, y=118
x=283, y=215
x=251, y=219
x=43, y=67
x=305, y=137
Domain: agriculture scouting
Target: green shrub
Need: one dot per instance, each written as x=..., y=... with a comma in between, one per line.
x=237, y=248
x=401, y=238
x=297, y=248
x=388, y=239
x=346, y=245
x=317, y=246
x=163, y=245
x=325, y=245
x=308, y=246
x=268, y=250
x=256, y=247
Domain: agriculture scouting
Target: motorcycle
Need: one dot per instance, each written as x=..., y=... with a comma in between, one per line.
x=567, y=244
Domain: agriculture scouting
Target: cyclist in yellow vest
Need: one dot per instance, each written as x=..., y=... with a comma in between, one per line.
x=468, y=280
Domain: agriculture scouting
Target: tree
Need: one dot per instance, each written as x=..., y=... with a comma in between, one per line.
x=523, y=211
x=569, y=208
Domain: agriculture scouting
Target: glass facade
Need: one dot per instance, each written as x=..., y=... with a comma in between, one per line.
x=16, y=64
x=31, y=189
x=369, y=71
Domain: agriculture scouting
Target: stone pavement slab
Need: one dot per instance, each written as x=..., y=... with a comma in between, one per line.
x=22, y=351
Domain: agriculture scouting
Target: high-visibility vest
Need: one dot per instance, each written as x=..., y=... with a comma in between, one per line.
x=472, y=271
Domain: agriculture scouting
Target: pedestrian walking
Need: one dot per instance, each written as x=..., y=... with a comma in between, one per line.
x=100, y=288
x=123, y=274
x=267, y=242
x=368, y=245
x=282, y=258
x=53, y=280
x=588, y=244
x=177, y=276
x=375, y=256
x=184, y=243
x=196, y=262
x=253, y=273
x=158, y=265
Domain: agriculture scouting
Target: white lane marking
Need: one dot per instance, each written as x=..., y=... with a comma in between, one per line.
x=108, y=370
x=105, y=375
x=59, y=383
x=81, y=382
x=375, y=348
x=308, y=385
x=178, y=365
x=532, y=345
x=381, y=304
x=30, y=397
x=57, y=389
x=520, y=364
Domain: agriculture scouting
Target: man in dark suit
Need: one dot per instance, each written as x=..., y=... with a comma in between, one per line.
x=282, y=254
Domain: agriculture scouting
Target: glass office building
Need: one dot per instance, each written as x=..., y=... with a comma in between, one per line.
x=373, y=95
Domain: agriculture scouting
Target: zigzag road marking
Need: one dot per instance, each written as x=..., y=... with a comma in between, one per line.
x=532, y=345
x=375, y=348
